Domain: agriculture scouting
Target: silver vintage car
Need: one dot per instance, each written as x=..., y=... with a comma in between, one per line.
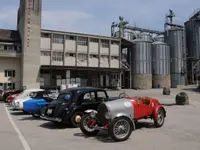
x=115, y=116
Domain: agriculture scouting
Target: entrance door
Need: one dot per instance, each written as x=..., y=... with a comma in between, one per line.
x=104, y=81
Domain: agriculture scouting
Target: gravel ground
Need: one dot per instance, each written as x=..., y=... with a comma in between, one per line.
x=180, y=131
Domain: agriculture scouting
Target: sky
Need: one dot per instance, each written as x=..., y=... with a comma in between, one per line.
x=96, y=16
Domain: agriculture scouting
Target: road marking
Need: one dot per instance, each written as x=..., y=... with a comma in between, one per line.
x=21, y=137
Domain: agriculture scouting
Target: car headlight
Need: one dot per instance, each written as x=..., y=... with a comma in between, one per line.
x=92, y=114
x=107, y=115
x=17, y=104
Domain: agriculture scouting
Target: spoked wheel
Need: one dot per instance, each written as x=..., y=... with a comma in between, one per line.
x=160, y=119
x=86, y=125
x=120, y=129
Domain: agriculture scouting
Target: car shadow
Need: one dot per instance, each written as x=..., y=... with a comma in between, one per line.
x=18, y=113
x=51, y=125
x=103, y=136
x=28, y=118
x=169, y=104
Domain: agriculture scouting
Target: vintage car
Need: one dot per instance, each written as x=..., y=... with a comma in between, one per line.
x=38, y=102
x=12, y=95
x=1, y=94
x=71, y=104
x=17, y=103
x=119, y=116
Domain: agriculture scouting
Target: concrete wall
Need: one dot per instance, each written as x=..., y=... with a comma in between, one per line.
x=97, y=56
x=30, y=29
x=142, y=81
x=162, y=80
x=10, y=64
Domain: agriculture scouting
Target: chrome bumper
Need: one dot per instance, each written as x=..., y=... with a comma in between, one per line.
x=51, y=119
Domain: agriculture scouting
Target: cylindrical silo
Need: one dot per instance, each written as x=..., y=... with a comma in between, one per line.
x=176, y=40
x=141, y=64
x=160, y=64
x=192, y=28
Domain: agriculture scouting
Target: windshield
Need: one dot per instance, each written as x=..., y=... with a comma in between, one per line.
x=64, y=96
x=23, y=94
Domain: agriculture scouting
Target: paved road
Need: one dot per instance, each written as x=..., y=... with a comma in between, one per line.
x=180, y=131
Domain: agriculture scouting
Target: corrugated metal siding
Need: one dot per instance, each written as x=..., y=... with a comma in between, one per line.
x=193, y=38
x=160, y=58
x=176, y=40
x=141, y=58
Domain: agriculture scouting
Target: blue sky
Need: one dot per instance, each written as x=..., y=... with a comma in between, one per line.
x=95, y=16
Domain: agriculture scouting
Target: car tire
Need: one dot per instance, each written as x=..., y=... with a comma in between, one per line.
x=83, y=128
x=114, y=124
x=73, y=119
x=42, y=111
x=35, y=115
x=25, y=112
x=160, y=119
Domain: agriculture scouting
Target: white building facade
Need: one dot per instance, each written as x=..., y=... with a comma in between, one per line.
x=33, y=57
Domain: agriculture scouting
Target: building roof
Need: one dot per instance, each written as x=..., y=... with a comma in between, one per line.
x=79, y=34
x=9, y=35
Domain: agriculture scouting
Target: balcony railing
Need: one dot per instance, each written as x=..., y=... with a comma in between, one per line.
x=10, y=53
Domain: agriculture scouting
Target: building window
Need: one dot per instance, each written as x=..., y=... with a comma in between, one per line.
x=94, y=56
x=114, y=57
x=58, y=38
x=9, y=73
x=105, y=43
x=2, y=47
x=45, y=53
x=82, y=57
x=115, y=42
x=45, y=35
x=82, y=41
x=9, y=47
x=94, y=40
x=69, y=54
x=68, y=37
x=57, y=56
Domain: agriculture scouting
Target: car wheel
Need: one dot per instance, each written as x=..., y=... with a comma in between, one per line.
x=35, y=115
x=160, y=119
x=76, y=118
x=43, y=110
x=120, y=129
x=25, y=112
x=85, y=126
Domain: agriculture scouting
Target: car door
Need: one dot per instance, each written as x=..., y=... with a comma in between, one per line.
x=89, y=101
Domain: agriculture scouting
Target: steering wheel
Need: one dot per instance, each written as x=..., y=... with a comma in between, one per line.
x=123, y=95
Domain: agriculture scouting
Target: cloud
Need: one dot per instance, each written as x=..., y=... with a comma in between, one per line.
x=64, y=20
x=95, y=16
x=8, y=19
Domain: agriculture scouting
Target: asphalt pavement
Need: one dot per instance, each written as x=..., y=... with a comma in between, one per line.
x=180, y=132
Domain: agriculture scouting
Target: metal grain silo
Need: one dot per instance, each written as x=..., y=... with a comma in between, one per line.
x=141, y=64
x=192, y=27
x=176, y=40
x=160, y=64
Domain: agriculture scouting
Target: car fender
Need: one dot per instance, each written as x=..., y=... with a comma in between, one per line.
x=127, y=116
x=88, y=111
x=155, y=112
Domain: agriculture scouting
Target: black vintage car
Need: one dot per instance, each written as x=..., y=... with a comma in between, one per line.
x=71, y=104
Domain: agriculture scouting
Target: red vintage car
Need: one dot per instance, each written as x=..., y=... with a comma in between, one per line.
x=10, y=98
x=119, y=116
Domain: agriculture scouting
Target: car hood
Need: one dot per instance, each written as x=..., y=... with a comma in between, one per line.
x=22, y=99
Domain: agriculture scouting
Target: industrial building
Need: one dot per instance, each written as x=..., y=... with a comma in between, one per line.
x=132, y=57
x=34, y=57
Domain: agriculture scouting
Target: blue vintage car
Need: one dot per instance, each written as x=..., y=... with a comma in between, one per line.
x=38, y=102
